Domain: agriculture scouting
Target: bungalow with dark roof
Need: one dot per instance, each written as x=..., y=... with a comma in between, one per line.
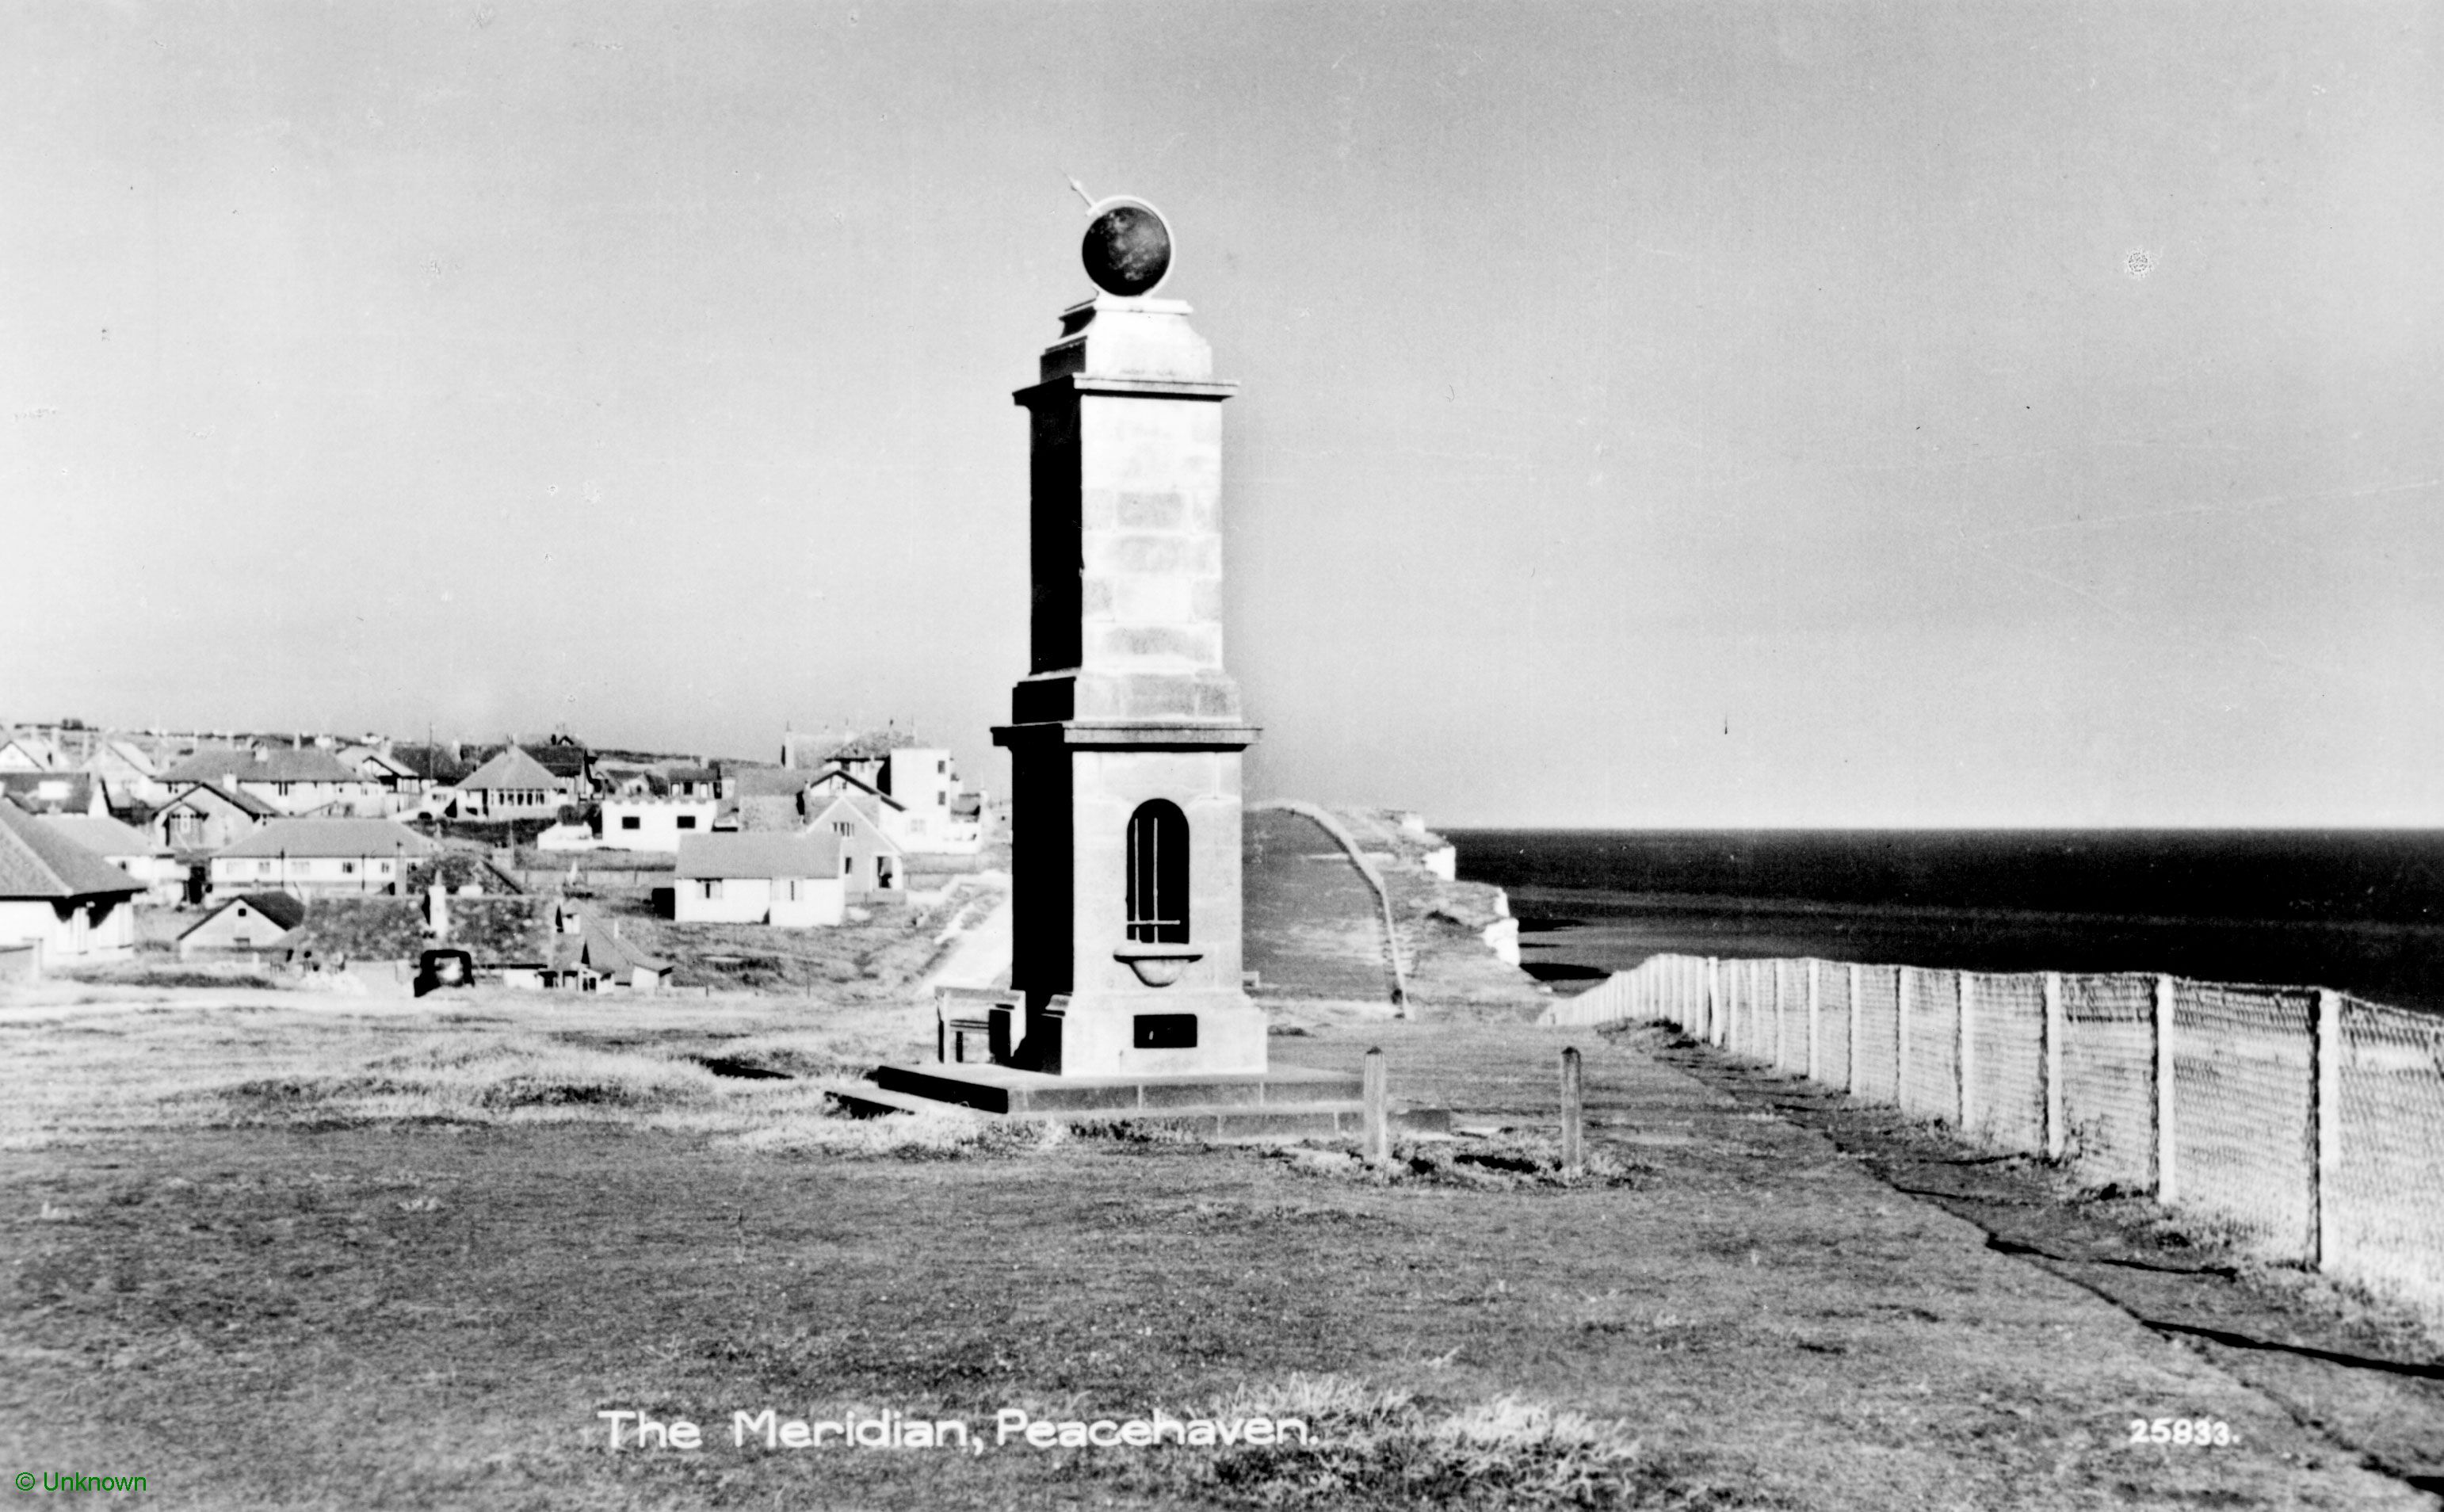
x=792, y=880
x=309, y=856
x=511, y=785
x=248, y=921
x=59, y=898
x=293, y=780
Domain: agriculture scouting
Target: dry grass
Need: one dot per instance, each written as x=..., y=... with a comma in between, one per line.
x=412, y=1310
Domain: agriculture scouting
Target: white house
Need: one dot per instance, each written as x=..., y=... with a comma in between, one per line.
x=59, y=897
x=129, y=776
x=511, y=785
x=292, y=780
x=869, y=860
x=923, y=781
x=792, y=880
x=655, y=823
x=401, y=786
x=132, y=851
x=27, y=753
x=316, y=856
x=201, y=818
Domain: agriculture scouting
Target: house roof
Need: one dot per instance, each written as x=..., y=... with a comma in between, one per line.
x=595, y=947
x=228, y=765
x=692, y=774
x=512, y=768
x=283, y=909
x=105, y=837
x=871, y=745
x=823, y=812
x=121, y=753
x=754, y=854
x=245, y=803
x=38, y=861
x=768, y=781
x=349, y=838
x=75, y=791
x=357, y=756
x=33, y=748
x=431, y=762
x=841, y=774
x=561, y=759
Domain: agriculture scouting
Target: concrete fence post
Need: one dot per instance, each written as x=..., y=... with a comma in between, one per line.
x=1574, y=1114
x=1716, y=1029
x=2168, y=1185
x=1850, y=1073
x=2057, y=1137
x=1964, y=1058
x=1901, y=1035
x=1815, y=1013
x=2325, y=1124
x=1376, y=1137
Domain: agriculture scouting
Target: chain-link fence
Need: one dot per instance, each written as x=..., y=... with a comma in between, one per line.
x=2308, y=1121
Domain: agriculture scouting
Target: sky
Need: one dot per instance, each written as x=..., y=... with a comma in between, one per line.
x=1651, y=415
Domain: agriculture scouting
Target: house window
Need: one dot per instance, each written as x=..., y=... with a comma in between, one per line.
x=942, y=767
x=631, y=822
x=687, y=821
x=842, y=827
x=848, y=866
x=347, y=868
x=263, y=867
x=709, y=887
x=1159, y=873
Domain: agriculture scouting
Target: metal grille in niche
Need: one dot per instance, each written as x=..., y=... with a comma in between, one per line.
x=1159, y=873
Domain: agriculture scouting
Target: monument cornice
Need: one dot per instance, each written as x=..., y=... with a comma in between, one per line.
x=1210, y=390
x=1148, y=734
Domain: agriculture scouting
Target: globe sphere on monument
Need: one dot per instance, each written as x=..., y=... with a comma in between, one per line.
x=1127, y=249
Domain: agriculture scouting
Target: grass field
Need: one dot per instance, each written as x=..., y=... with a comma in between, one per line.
x=289, y=1250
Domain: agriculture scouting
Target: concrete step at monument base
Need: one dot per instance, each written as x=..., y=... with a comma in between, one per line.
x=1321, y=1118
x=1004, y=1089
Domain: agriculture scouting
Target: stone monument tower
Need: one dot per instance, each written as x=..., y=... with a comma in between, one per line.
x=1125, y=735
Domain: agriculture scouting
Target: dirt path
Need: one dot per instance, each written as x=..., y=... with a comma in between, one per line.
x=1766, y=1295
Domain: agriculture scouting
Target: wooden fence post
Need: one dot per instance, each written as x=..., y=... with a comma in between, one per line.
x=1964, y=1057
x=2057, y=1137
x=2325, y=1124
x=1815, y=1011
x=1850, y=1073
x=1376, y=1137
x=2168, y=1186
x=1714, y=1015
x=1900, y=1037
x=1574, y=1114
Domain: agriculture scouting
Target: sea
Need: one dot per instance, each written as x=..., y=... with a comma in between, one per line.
x=2358, y=911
